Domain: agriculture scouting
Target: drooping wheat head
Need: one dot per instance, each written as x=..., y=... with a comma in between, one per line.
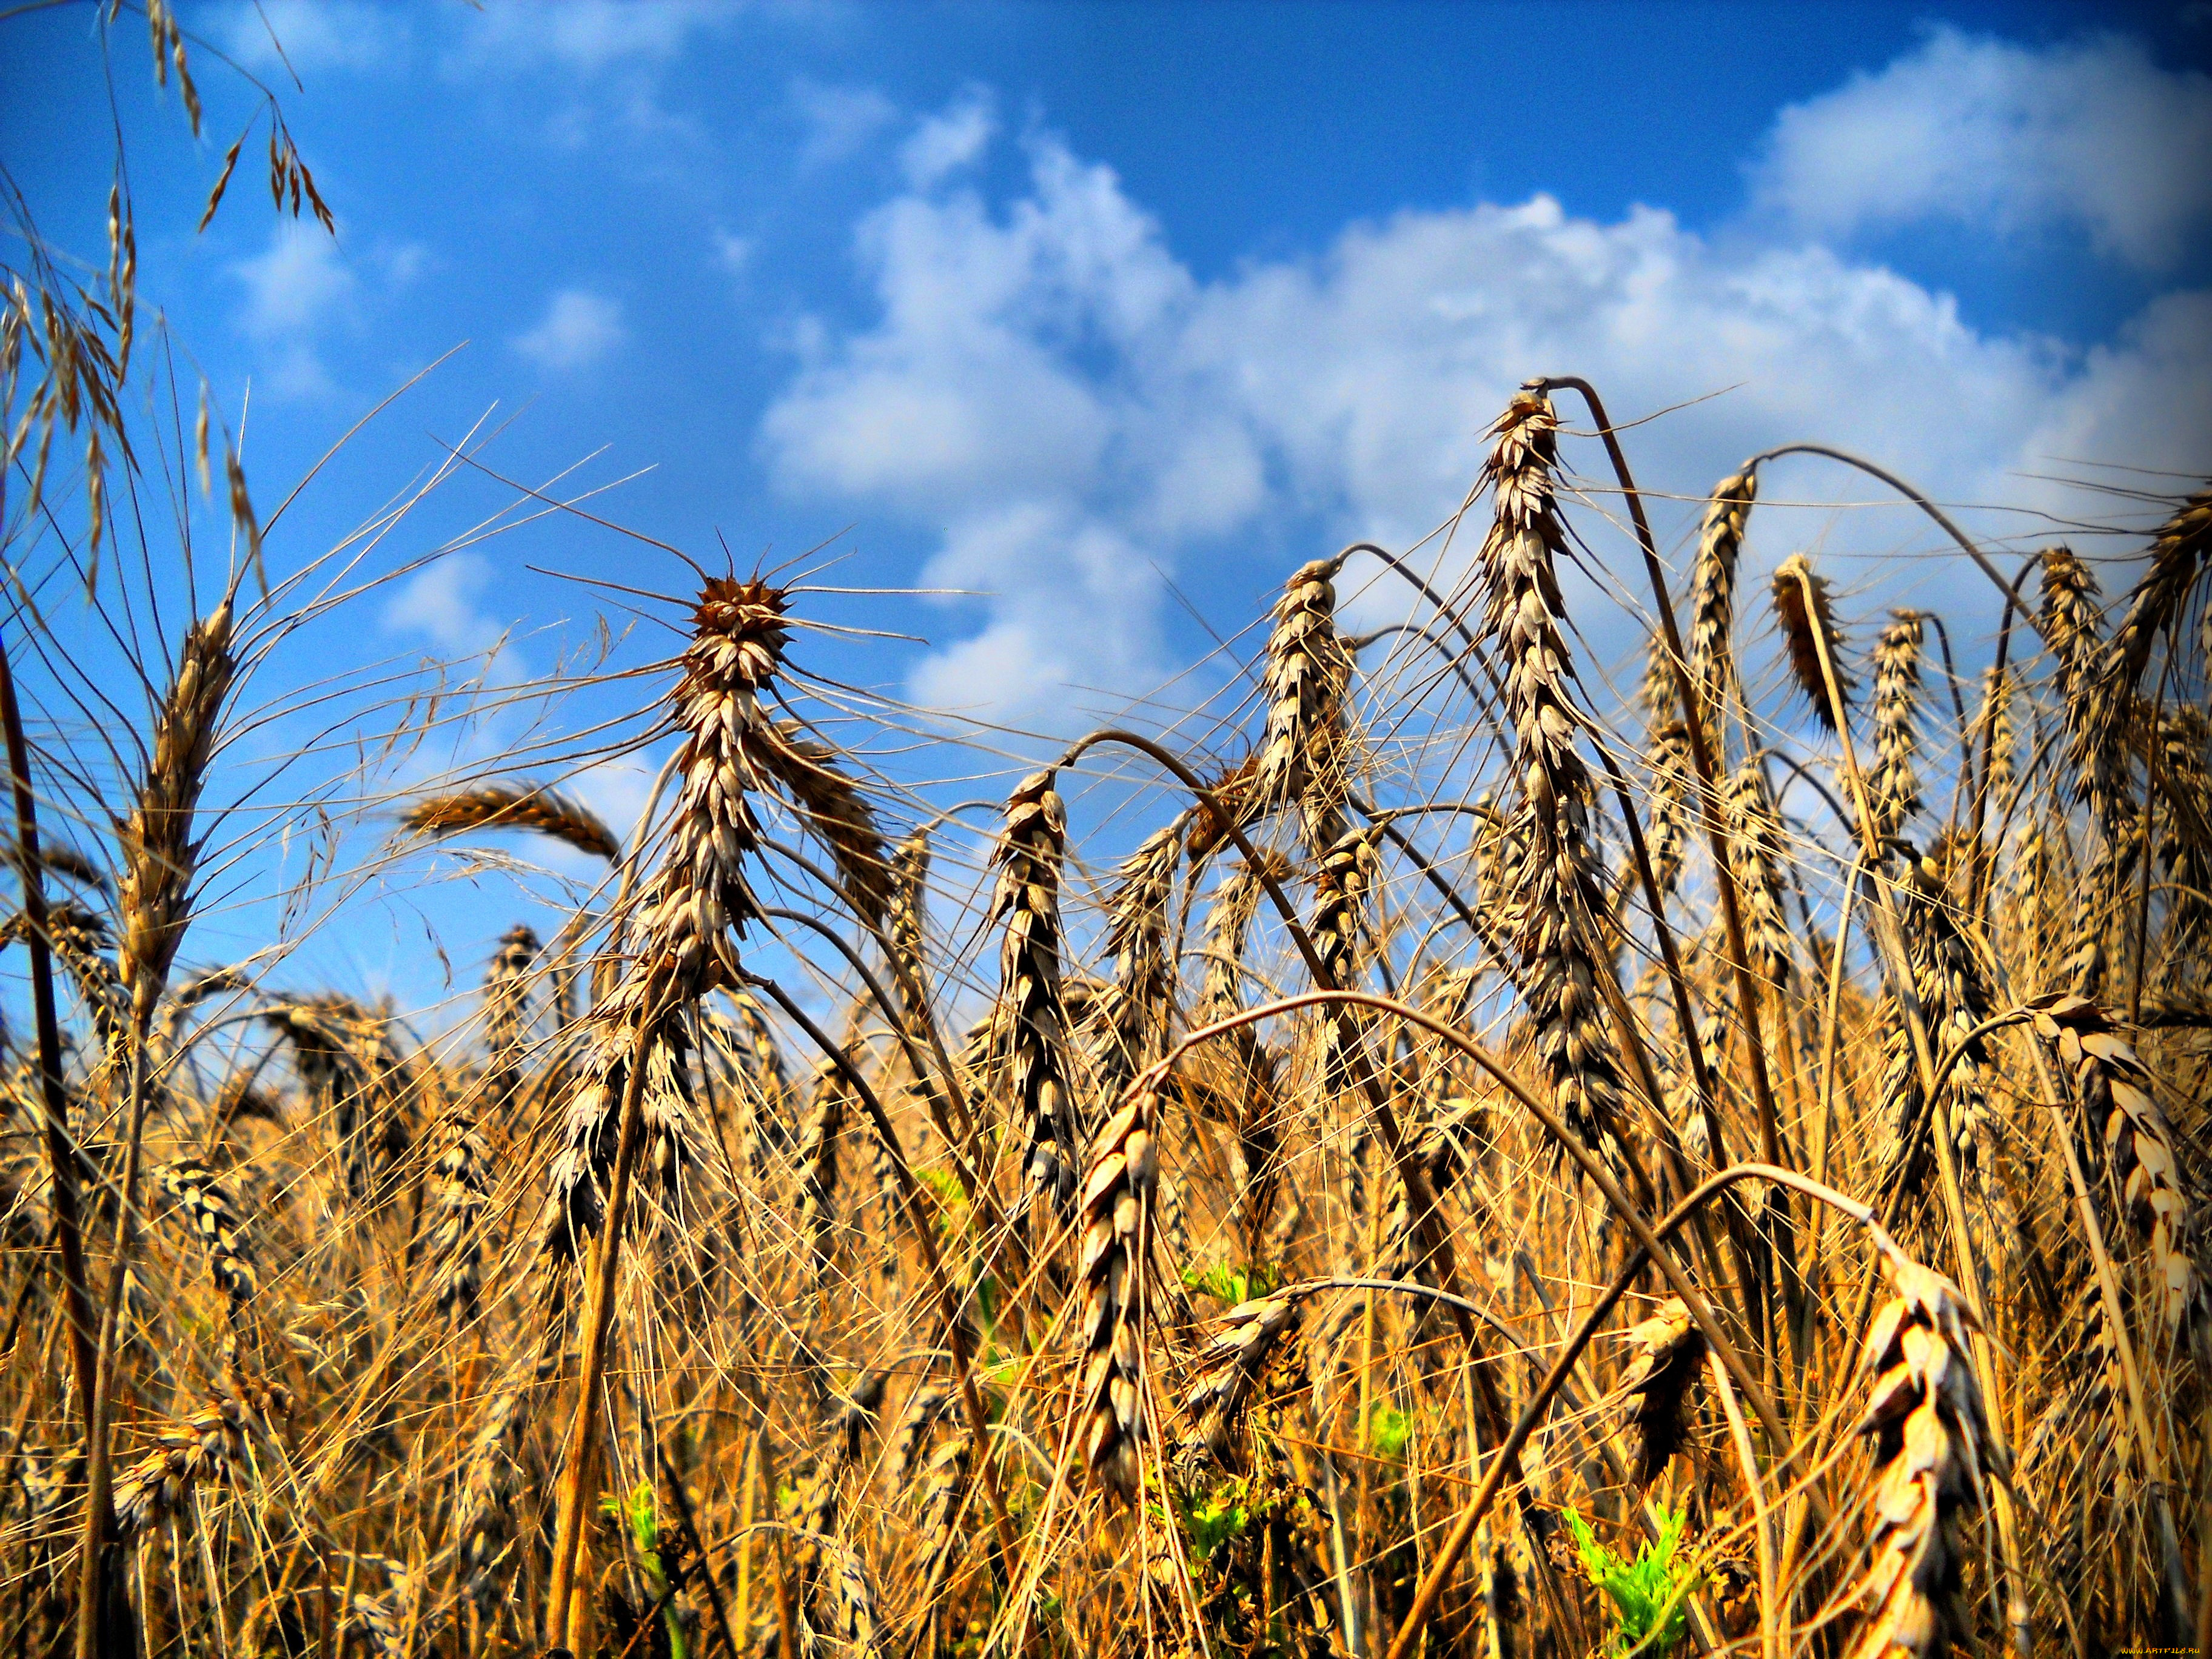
x=1559, y=881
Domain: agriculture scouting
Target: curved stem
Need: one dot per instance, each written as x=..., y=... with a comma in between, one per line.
x=1707, y=767
x=1440, y=1570
x=1981, y=559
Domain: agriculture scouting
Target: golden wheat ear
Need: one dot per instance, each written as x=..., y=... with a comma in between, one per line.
x=1934, y=1454
x=1802, y=608
x=1026, y=900
x=514, y=806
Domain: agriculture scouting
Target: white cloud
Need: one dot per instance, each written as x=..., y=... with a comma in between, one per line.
x=2091, y=134
x=586, y=36
x=734, y=253
x=439, y=601
x=952, y=139
x=314, y=34
x=838, y=121
x=578, y=328
x=297, y=286
x=1051, y=388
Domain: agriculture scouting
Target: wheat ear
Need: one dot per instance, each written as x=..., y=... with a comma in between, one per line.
x=1560, y=877
x=1893, y=786
x=1228, y=1367
x=1138, y=1001
x=194, y=1189
x=1712, y=601
x=1027, y=901
x=2140, y=1148
x=160, y=852
x=1302, y=759
x=1935, y=1452
x=514, y=806
x=1802, y=619
x=1667, y=1352
x=1117, y=1202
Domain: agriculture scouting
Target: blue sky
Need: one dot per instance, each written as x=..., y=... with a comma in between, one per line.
x=1059, y=304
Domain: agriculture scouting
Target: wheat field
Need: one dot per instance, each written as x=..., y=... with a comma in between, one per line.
x=1456, y=1165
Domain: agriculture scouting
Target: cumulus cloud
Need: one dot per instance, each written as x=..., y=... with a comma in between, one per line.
x=311, y=35
x=293, y=288
x=837, y=121
x=952, y=139
x=1050, y=389
x=578, y=328
x=586, y=36
x=2091, y=134
x=440, y=602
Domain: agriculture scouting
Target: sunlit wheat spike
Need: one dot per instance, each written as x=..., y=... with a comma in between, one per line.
x=694, y=909
x=1956, y=996
x=483, y=1514
x=212, y=1446
x=1667, y=1355
x=1236, y=789
x=459, y=1190
x=1117, y=1199
x=2095, y=717
x=507, y=1013
x=1667, y=769
x=835, y=810
x=2143, y=1153
x=1026, y=900
x=159, y=852
x=384, y=1620
x=193, y=1188
x=1712, y=602
x=1137, y=1003
x=1935, y=1452
x=1302, y=759
x=344, y=1054
x=909, y=925
x=1228, y=1367
x=1228, y=921
x=1342, y=880
x=1894, y=785
x=1759, y=855
x=943, y=1487
x=855, y=1605
x=80, y=942
x=1998, y=713
x=515, y=806
x=2178, y=552
x=1561, y=877
x=1808, y=621
x=2184, y=851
